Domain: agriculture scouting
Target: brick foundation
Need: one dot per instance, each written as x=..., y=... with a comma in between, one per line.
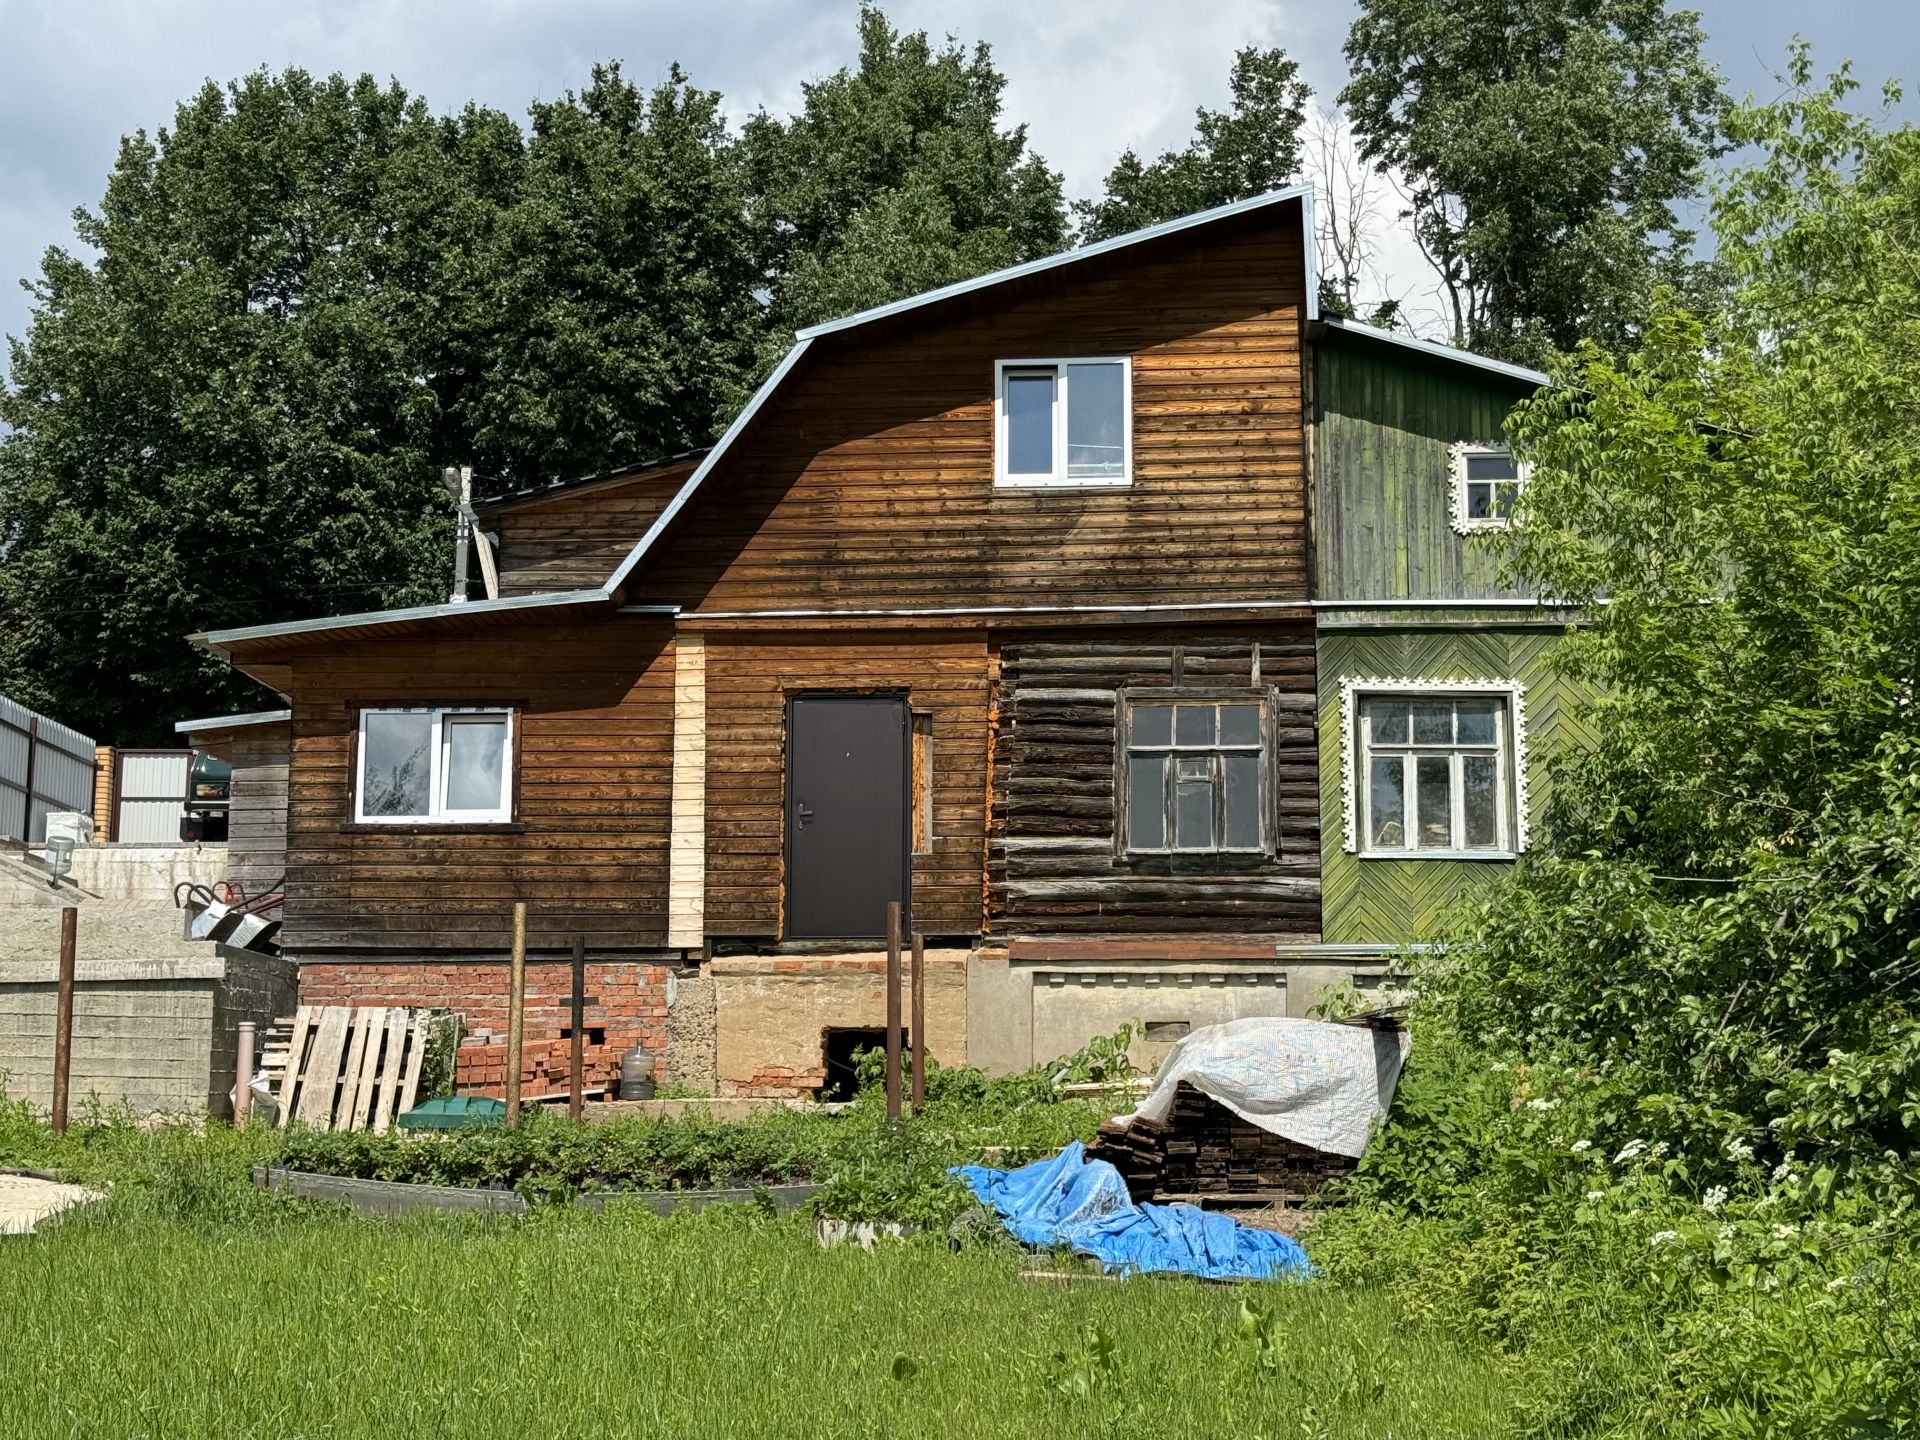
x=626, y=1001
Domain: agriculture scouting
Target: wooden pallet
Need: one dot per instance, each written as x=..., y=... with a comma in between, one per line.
x=349, y=1067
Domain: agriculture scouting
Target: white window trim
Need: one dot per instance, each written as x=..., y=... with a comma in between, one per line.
x=437, y=813
x=1059, y=479
x=1353, y=688
x=1457, y=485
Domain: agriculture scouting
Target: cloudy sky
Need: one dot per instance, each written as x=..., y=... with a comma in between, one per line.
x=1089, y=80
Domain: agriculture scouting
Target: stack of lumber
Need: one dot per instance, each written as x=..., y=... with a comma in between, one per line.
x=347, y=1067
x=1206, y=1155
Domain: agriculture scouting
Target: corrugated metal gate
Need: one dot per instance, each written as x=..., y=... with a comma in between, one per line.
x=150, y=795
x=44, y=766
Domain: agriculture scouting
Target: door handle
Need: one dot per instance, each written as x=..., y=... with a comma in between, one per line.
x=801, y=813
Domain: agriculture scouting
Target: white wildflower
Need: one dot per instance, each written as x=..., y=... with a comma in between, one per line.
x=1661, y=1237
x=1726, y=1233
x=1839, y=1284
x=1629, y=1151
x=1785, y=1232
x=1538, y=1104
x=1783, y=1170
x=1739, y=1150
x=1657, y=1151
x=1715, y=1198
x=1593, y=1195
x=1580, y=1147
x=1500, y=1065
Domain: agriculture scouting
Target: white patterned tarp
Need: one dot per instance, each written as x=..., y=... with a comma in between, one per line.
x=1310, y=1081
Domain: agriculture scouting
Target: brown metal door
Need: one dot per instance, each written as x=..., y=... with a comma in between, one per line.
x=847, y=840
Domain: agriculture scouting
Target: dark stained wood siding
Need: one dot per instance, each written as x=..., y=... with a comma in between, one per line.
x=1053, y=866
x=589, y=854
x=749, y=679
x=575, y=539
x=1384, y=428
x=867, y=481
x=257, y=810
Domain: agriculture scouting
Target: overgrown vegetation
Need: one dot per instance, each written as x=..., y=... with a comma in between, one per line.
x=1659, y=1134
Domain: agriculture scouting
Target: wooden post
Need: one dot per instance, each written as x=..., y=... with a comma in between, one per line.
x=243, y=1076
x=919, y=1024
x=893, y=1010
x=577, y=1071
x=63, y=1015
x=516, y=1009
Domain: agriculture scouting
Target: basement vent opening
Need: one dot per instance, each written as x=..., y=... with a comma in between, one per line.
x=1166, y=1032
x=837, y=1050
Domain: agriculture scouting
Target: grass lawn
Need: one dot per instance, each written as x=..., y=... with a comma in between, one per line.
x=291, y=1322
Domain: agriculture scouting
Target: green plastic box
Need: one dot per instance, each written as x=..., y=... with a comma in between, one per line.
x=455, y=1112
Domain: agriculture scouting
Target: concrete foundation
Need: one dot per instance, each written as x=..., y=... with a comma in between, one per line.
x=145, y=872
x=157, y=1034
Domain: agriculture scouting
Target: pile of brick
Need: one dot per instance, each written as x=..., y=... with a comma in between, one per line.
x=1205, y=1154
x=546, y=1063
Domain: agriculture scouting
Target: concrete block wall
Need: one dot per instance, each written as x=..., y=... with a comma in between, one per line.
x=145, y=873
x=255, y=987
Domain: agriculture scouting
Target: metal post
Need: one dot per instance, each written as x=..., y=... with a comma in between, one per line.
x=893, y=1010
x=243, y=1076
x=460, y=482
x=26, y=802
x=919, y=1024
x=516, y=1009
x=63, y=1018
x=577, y=1072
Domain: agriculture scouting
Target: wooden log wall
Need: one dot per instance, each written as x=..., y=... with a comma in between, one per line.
x=1053, y=868
x=749, y=679
x=588, y=846
x=257, y=806
x=868, y=480
x=574, y=539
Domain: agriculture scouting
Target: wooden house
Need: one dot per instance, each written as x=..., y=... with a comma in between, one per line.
x=999, y=601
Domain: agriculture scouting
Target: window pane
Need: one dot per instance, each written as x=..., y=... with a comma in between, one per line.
x=1433, y=792
x=1146, y=803
x=1498, y=466
x=1193, y=814
x=1242, y=775
x=396, y=769
x=1239, y=724
x=1386, y=803
x=1480, y=800
x=476, y=762
x=1478, y=721
x=1029, y=424
x=1096, y=415
x=1433, y=723
x=1193, y=725
x=1389, y=721
x=1503, y=497
x=1152, y=725
x=1479, y=502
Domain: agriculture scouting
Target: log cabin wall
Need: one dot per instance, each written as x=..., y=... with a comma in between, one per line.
x=573, y=539
x=587, y=847
x=1055, y=866
x=750, y=677
x=257, y=806
x=867, y=479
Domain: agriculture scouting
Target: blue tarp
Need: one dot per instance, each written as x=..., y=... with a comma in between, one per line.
x=1071, y=1200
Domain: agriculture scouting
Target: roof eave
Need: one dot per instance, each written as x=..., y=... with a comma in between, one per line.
x=1433, y=350
x=217, y=642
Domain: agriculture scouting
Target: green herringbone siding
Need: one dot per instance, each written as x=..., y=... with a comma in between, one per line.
x=1392, y=901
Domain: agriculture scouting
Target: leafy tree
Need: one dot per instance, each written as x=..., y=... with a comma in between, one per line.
x=233, y=414
x=1543, y=144
x=894, y=177
x=1248, y=149
x=1723, y=923
x=621, y=320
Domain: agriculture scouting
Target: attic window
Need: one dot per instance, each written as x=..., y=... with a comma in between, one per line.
x=1063, y=422
x=1487, y=480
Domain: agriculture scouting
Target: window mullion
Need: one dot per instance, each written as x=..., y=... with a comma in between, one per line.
x=437, y=789
x=1457, y=786
x=1060, y=422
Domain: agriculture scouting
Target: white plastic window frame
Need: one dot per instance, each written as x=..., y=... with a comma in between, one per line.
x=437, y=811
x=1353, y=689
x=1059, y=479
x=1457, y=456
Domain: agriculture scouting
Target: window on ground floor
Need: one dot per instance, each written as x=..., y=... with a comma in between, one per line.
x=1435, y=769
x=1195, y=774
x=431, y=764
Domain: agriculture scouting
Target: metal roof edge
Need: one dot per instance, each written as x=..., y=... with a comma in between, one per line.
x=1088, y=252
x=692, y=484
x=217, y=640
x=232, y=722
x=1435, y=350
